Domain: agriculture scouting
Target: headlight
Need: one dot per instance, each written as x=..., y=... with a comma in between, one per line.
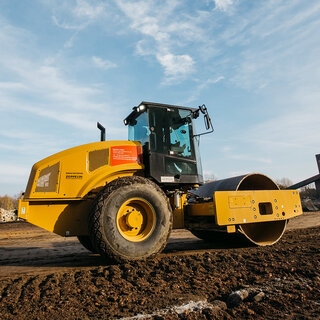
x=141, y=108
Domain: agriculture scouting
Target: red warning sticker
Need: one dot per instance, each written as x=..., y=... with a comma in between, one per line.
x=125, y=154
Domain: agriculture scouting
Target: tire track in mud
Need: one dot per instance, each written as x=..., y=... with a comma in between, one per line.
x=75, y=284
x=288, y=273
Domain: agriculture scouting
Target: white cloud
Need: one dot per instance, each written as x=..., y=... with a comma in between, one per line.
x=223, y=5
x=39, y=86
x=176, y=65
x=103, y=64
x=68, y=26
x=11, y=85
x=77, y=16
x=165, y=31
x=226, y=149
x=272, y=42
x=202, y=86
x=163, y=37
x=89, y=9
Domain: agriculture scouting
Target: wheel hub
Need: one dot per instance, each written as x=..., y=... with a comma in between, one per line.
x=136, y=219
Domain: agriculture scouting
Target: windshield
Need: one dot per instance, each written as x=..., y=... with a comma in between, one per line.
x=181, y=135
x=139, y=129
x=171, y=132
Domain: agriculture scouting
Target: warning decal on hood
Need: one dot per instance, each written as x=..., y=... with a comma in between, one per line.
x=125, y=154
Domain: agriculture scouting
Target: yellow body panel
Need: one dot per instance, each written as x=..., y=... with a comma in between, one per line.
x=74, y=178
x=241, y=207
x=178, y=213
x=66, y=218
x=58, y=194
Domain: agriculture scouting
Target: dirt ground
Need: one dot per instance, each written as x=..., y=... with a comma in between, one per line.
x=44, y=276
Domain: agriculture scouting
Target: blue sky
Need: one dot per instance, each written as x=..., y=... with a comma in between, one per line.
x=64, y=65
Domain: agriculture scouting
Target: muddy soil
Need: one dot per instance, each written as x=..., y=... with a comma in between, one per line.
x=44, y=276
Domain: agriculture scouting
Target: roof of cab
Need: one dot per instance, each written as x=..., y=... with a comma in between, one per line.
x=135, y=113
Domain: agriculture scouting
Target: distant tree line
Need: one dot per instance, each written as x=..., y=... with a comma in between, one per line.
x=305, y=192
x=308, y=192
x=9, y=203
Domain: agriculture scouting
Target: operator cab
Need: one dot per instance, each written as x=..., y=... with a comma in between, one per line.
x=170, y=148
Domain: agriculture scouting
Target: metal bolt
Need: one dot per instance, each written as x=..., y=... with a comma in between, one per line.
x=255, y=217
x=254, y=209
x=277, y=214
x=232, y=219
x=229, y=219
x=276, y=208
x=252, y=201
x=275, y=200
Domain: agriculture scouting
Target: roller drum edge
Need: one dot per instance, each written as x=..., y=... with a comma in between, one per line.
x=262, y=233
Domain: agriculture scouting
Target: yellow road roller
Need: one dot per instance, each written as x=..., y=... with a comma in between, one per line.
x=123, y=198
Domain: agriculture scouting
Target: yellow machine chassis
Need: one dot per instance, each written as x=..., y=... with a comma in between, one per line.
x=69, y=217
x=61, y=189
x=241, y=207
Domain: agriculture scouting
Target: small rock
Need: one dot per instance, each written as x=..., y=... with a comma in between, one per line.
x=250, y=312
x=235, y=298
x=219, y=304
x=8, y=215
x=243, y=293
x=258, y=297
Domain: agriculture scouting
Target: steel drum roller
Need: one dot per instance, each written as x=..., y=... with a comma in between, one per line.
x=261, y=233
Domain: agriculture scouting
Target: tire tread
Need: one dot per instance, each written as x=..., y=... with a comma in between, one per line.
x=94, y=218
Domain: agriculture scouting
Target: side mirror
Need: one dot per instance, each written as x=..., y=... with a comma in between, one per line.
x=206, y=118
x=207, y=121
x=203, y=109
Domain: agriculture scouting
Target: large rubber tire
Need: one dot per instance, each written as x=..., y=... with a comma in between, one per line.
x=86, y=242
x=105, y=228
